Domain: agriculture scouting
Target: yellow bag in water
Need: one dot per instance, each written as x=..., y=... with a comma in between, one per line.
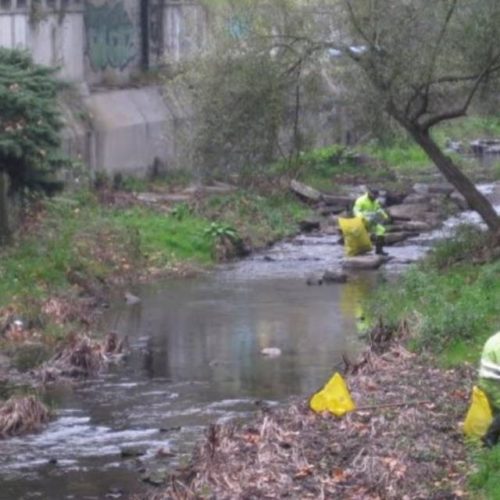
x=356, y=237
x=479, y=415
x=334, y=397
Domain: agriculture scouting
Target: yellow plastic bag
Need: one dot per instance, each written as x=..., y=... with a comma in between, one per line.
x=334, y=397
x=356, y=237
x=479, y=415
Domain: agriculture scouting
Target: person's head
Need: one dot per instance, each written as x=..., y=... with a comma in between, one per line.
x=372, y=193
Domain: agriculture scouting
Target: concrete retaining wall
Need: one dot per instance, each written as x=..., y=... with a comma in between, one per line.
x=104, y=42
x=101, y=46
x=131, y=129
x=54, y=39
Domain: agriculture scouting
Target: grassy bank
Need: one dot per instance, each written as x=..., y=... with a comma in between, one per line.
x=449, y=305
x=389, y=163
x=87, y=244
x=450, y=302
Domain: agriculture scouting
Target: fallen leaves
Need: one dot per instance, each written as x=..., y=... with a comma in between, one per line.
x=390, y=449
x=303, y=472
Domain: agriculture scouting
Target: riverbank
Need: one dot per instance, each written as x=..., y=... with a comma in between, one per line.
x=402, y=441
x=77, y=252
x=405, y=441
x=449, y=304
x=124, y=242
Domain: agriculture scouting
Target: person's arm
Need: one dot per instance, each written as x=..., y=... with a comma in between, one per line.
x=381, y=211
x=357, y=209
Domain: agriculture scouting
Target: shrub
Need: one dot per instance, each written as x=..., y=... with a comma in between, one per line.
x=30, y=122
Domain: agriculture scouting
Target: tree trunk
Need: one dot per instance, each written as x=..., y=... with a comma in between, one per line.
x=476, y=200
x=4, y=209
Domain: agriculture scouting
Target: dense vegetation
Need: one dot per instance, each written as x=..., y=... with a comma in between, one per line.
x=30, y=120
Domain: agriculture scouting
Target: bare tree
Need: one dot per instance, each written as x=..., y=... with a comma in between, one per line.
x=426, y=61
x=423, y=62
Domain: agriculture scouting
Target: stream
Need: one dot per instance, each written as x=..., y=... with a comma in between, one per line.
x=196, y=359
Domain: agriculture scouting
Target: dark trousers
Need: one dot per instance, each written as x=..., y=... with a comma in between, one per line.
x=492, y=435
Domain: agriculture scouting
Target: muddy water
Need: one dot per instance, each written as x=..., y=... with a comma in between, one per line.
x=196, y=359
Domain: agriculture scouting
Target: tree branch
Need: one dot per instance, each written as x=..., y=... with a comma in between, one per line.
x=462, y=110
x=356, y=25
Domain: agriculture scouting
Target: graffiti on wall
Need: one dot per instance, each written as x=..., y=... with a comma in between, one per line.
x=110, y=36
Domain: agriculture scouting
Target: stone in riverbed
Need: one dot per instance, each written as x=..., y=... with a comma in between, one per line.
x=409, y=211
x=314, y=280
x=364, y=262
x=392, y=238
x=310, y=224
x=334, y=277
x=133, y=451
x=155, y=476
x=410, y=226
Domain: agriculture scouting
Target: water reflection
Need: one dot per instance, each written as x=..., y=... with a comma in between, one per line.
x=195, y=359
x=215, y=330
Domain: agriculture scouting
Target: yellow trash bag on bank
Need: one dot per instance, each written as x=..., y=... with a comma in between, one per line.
x=334, y=397
x=356, y=237
x=479, y=415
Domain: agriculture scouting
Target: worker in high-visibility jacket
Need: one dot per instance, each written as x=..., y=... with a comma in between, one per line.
x=489, y=382
x=374, y=216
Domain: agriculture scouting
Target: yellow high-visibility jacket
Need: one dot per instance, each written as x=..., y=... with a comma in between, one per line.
x=489, y=371
x=490, y=358
x=372, y=213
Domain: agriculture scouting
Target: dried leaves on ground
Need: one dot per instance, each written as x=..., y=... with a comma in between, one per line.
x=403, y=442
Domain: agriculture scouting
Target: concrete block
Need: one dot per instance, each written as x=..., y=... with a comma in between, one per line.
x=129, y=126
x=364, y=262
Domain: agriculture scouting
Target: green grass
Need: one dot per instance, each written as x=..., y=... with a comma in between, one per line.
x=460, y=351
x=261, y=219
x=77, y=236
x=450, y=307
x=96, y=243
x=166, y=238
x=402, y=155
x=469, y=128
x=485, y=479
